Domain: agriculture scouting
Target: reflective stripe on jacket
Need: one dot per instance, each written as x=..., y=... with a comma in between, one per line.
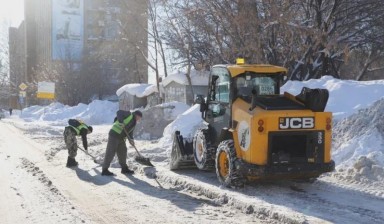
x=118, y=127
x=78, y=128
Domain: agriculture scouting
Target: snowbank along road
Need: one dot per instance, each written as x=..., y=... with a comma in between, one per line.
x=38, y=188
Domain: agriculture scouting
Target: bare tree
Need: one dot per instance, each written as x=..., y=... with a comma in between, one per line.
x=309, y=37
x=4, y=53
x=130, y=43
x=155, y=40
x=9, y=87
x=373, y=49
x=65, y=73
x=94, y=76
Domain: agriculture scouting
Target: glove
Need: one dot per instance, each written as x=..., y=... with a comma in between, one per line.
x=132, y=142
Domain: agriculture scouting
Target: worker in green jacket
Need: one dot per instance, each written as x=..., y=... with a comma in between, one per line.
x=75, y=128
x=124, y=124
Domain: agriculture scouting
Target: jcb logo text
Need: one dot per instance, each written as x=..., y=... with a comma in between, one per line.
x=296, y=122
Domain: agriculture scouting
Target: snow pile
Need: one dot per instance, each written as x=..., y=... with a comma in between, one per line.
x=199, y=78
x=97, y=112
x=173, y=109
x=138, y=90
x=187, y=123
x=367, y=169
x=346, y=97
x=156, y=118
x=359, y=143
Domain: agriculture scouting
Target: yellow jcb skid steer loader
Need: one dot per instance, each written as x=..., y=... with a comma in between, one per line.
x=254, y=132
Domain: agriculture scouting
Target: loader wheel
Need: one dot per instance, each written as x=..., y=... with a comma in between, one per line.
x=202, y=152
x=225, y=165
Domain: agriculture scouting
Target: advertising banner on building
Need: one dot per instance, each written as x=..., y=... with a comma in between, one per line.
x=46, y=90
x=67, y=29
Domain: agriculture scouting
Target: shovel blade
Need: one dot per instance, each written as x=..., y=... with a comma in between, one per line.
x=143, y=161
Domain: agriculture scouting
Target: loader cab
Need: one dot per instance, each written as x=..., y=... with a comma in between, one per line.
x=227, y=84
x=217, y=110
x=251, y=83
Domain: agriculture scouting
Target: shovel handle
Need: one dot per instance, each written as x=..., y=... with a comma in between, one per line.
x=126, y=133
x=86, y=152
x=137, y=151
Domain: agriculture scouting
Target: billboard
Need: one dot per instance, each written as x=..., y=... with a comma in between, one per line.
x=46, y=90
x=67, y=29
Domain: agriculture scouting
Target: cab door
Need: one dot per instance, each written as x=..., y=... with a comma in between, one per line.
x=218, y=104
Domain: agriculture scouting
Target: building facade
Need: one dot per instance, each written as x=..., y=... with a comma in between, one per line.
x=102, y=40
x=114, y=31
x=17, y=63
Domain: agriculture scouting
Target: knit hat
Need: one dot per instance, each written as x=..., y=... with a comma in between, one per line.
x=90, y=128
x=138, y=113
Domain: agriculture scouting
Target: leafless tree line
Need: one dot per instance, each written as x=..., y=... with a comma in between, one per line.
x=312, y=38
x=4, y=52
x=4, y=64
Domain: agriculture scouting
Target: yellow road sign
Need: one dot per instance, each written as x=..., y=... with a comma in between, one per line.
x=45, y=95
x=46, y=90
x=23, y=86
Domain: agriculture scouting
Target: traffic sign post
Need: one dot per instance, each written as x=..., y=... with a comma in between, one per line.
x=22, y=95
x=21, y=100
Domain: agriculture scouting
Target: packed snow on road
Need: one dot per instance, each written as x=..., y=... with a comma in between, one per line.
x=37, y=187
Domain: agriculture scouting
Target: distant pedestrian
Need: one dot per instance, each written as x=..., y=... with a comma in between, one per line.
x=75, y=128
x=10, y=111
x=124, y=124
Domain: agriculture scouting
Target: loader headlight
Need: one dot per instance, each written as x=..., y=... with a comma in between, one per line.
x=328, y=125
x=260, y=123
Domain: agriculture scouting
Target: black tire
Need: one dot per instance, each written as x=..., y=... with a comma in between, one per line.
x=174, y=159
x=310, y=180
x=225, y=165
x=202, y=151
x=175, y=156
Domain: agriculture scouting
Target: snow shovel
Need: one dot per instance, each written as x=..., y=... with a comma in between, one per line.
x=139, y=158
x=87, y=153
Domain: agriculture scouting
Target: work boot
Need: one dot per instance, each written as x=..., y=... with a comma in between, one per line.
x=71, y=162
x=106, y=172
x=126, y=170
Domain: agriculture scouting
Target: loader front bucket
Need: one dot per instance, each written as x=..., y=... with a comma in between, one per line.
x=181, y=154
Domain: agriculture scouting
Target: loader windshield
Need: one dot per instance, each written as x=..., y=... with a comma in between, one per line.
x=220, y=91
x=263, y=84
